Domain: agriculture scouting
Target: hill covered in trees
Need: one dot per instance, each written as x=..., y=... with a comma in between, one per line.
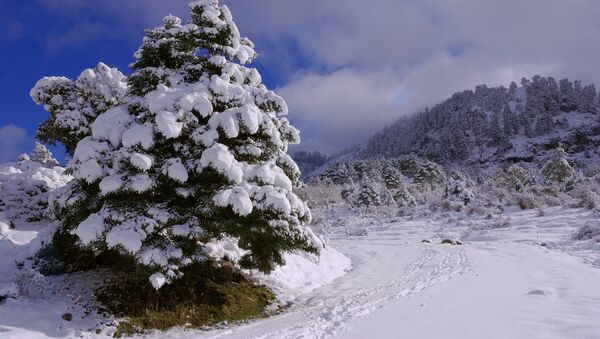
x=496, y=126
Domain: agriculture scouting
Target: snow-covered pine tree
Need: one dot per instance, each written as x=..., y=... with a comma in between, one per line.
x=567, y=96
x=367, y=194
x=42, y=155
x=26, y=186
x=458, y=188
x=577, y=92
x=495, y=131
x=430, y=173
x=341, y=173
x=195, y=154
x=510, y=123
x=392, y=177
x=545, y=123
x=558, y=170
x=513, y=178
x=587, y=101
x=512, y=90
x=395, y=190
x=74, y=105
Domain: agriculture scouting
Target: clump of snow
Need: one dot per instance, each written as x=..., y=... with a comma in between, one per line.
x=153, y=256
x=138, y=135
x=110, y=184
x=16, y=237
x=219, y=158
x=167, y=124
x=141, y=183
x=74, y=105
x=111, y=125
x=237, y=198
x=226, y=248
x=157, y=280
x=128, y=239
x=90, y=229
x=90, y=171
x=180, y=230
x=198, y=102
x=141, y=161
x=176, y=171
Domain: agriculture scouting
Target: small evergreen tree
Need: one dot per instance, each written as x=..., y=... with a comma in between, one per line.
x=196, y=152
x=558, y=170
x=545, y=124
x=403, y=197
x=368, y=194
x=512, y=90
x=495, y=132
x=395, y=190
x=587, y=101
x=457, y=188
x=510, y=123
x=392, y=177
x=341, y=173
x=567, y=96
x=513, y=178
x=42, y=155
x=430, y=173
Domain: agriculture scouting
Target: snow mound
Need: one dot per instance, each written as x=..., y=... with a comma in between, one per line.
x=25, y=187
x=304, y=273
x=301, y=273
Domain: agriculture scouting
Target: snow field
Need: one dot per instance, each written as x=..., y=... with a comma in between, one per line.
x=502, y=283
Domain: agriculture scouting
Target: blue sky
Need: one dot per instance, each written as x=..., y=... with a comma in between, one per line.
x=346, y=67
x=40, y=38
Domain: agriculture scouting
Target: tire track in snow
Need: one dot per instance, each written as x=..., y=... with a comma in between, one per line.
x=330, y=317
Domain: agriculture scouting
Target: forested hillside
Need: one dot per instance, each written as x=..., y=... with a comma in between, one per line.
x=491, y=126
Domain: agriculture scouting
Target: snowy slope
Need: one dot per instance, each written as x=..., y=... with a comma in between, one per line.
x=486, y=128
x=517, y=275
x=502, y=283
x=32, y=306
x=39, y=314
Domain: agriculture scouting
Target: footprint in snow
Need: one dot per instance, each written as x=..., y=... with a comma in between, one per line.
x=539, y=292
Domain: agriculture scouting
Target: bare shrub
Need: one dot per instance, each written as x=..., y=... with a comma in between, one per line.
x=502, y=223
x=587, y=232
x=526, y=201
x=29, y=282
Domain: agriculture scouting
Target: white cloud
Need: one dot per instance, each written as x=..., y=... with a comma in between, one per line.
x=359, y=57
x=13, y=141
x=429, y=48
x=341, y=107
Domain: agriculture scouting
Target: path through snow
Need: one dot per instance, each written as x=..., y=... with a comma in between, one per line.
x=501, y=284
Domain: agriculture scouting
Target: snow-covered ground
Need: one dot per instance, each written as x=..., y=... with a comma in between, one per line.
x=526, y=280
x=36, y=305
